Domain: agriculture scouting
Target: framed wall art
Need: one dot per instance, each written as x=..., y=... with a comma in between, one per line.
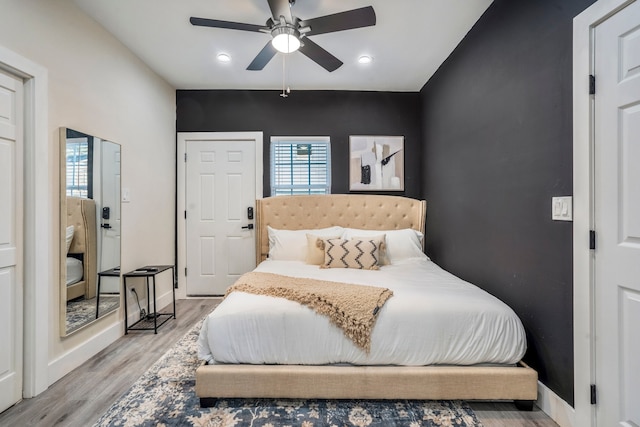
x=376, y=163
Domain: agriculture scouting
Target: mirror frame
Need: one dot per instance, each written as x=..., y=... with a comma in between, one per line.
x=62, y=244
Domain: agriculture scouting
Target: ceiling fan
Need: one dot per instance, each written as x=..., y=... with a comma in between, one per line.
x=289, y=33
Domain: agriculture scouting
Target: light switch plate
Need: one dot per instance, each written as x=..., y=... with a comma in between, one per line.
x=126, y=195
x=562, y=208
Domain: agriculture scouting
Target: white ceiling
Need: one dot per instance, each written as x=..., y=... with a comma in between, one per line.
x=408, y=43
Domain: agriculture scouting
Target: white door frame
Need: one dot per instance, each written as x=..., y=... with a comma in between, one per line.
x=38, y=277
x=181, y=292
x=584, y=204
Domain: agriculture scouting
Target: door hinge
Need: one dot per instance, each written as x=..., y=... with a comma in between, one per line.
x=185, y=214
x=594, y=395
x=592, y=239
x=185, y=157
x=185, y=272
x=592, y=84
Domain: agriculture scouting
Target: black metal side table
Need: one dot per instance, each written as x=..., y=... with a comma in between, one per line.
x=152, y=321
x=112, y=272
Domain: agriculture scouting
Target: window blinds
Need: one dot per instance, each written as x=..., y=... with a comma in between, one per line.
x=78, y=167
x=300, y=166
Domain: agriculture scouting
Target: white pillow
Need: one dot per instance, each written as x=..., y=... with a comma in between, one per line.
x=69, y=236
x=400, y=244
x=291, y=245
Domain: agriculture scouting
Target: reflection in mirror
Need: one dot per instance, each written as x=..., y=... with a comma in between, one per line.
x=89, y=229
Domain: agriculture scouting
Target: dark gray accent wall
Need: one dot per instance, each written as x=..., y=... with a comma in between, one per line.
x=336, y=114
x=497, y=135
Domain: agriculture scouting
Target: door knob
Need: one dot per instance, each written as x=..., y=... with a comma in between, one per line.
x=248, y=227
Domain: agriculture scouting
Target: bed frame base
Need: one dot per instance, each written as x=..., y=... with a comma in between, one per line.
x=521, y=405
x=524, y=405
x=518, y=383
x=208, y=402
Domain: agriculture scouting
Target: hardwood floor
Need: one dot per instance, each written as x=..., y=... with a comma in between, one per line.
x=505, y=414
x=80, y=397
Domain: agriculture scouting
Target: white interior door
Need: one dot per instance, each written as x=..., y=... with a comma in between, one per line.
x=10, y=240
x=220, y=187
x=110, y=227
x=617, y=218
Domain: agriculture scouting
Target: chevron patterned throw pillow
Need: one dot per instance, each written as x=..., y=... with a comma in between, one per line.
x=354, y=253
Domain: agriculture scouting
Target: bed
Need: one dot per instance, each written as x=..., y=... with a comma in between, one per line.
x=258, y=346
x=81, y=261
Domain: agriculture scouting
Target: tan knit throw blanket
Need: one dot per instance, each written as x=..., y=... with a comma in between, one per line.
x=353, y=308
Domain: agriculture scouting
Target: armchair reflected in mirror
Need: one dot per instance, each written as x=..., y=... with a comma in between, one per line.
x=89, y=229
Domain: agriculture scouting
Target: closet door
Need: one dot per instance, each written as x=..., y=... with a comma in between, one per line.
x=10, y=240
x=617, y=218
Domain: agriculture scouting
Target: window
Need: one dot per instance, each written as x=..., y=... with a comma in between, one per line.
x=79, y=166
x=300, y=165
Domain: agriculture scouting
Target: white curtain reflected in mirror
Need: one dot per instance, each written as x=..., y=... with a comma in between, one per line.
x=89, y=229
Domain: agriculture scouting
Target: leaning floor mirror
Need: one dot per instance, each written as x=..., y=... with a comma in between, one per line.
x=89, y=229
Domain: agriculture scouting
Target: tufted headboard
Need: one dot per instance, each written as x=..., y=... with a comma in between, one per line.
x=374, y=212
x=81, y=213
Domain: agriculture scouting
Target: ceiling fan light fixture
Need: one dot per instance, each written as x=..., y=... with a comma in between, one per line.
x=285, y=39
x=289, y=33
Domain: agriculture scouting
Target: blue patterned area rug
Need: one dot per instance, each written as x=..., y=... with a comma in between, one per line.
x=165, y=396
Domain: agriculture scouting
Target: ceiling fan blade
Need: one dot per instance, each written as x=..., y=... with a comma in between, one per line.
x=263, y=58
x=203, y=22
x=320, y=56
x=356, y=18
x=280, y=8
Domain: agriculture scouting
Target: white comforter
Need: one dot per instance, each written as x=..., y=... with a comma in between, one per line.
x=432, y=318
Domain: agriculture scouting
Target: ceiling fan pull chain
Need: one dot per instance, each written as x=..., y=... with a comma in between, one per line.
x=283, y=94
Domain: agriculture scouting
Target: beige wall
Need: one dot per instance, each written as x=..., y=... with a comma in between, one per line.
x=97, y=86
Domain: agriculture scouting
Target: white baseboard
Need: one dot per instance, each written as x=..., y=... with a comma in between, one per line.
x=75, y=357
x=551, y=404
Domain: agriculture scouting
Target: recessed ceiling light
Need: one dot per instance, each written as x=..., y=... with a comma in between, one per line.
x=365, y=59
x=223, y=57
